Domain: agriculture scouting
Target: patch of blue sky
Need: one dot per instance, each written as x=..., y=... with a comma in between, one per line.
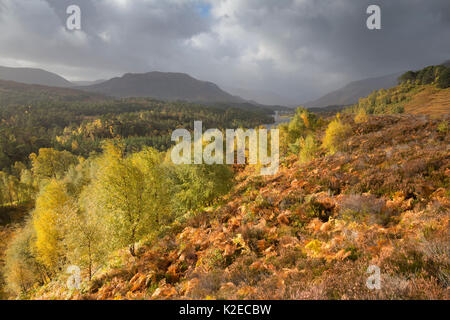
x=204, y=9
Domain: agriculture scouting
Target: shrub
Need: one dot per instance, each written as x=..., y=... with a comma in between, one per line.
x=241, y=272
x=398, y=110
x=361, y=116
x=443, y=127
x=308, y=149
x=322, y=210
x=364, y=208
x=215, y=260
x=207, y=284
x=335, y=135
x=363, y=204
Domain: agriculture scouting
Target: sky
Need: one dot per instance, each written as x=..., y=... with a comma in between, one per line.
x=296, y=49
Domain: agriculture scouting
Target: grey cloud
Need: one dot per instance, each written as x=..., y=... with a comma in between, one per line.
x=297, y=48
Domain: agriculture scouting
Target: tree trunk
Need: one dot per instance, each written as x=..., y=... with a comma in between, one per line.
x=132, y=250
x=90, y=262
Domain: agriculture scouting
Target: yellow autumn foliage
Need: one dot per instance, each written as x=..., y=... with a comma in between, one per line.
x=52, y=205
x=335, y=135
x=313, y=248
x=361, y=116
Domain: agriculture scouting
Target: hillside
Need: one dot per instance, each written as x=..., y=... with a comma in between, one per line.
x=420, y=99
x=426, y=91
x=33, y=76
x=352, y=92
x=429, y=100
x=20, y=93
x=309, y=232
x=164, y=86
x=366, y=188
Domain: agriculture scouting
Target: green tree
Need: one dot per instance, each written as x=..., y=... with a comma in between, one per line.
x=444, y=79
x=128, y=193
x=300, y=123
x=86, y=239
x=194, y=186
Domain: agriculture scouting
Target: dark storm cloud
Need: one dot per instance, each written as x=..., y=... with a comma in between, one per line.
x=117, y=35
x=296, y=48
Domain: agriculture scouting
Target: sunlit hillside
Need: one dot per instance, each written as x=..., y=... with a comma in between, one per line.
x=423, y=92
x=311, y=231
x=430, y=100
x=91, y=186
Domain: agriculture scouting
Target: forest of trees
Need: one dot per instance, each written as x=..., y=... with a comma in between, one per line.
x=439, y=75
x=85, y=208
x=97, y=173
x=79, y=127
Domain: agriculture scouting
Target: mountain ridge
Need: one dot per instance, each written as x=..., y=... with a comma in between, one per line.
x=33, y=76
x=169, y=86
x=12, y=92
x=352, y=92
x=163, y=85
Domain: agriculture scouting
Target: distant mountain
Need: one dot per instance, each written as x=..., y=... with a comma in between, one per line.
x=33, y=76
x=88, y=83
x=260, y=96
x=351, y=93
x=164, y=86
